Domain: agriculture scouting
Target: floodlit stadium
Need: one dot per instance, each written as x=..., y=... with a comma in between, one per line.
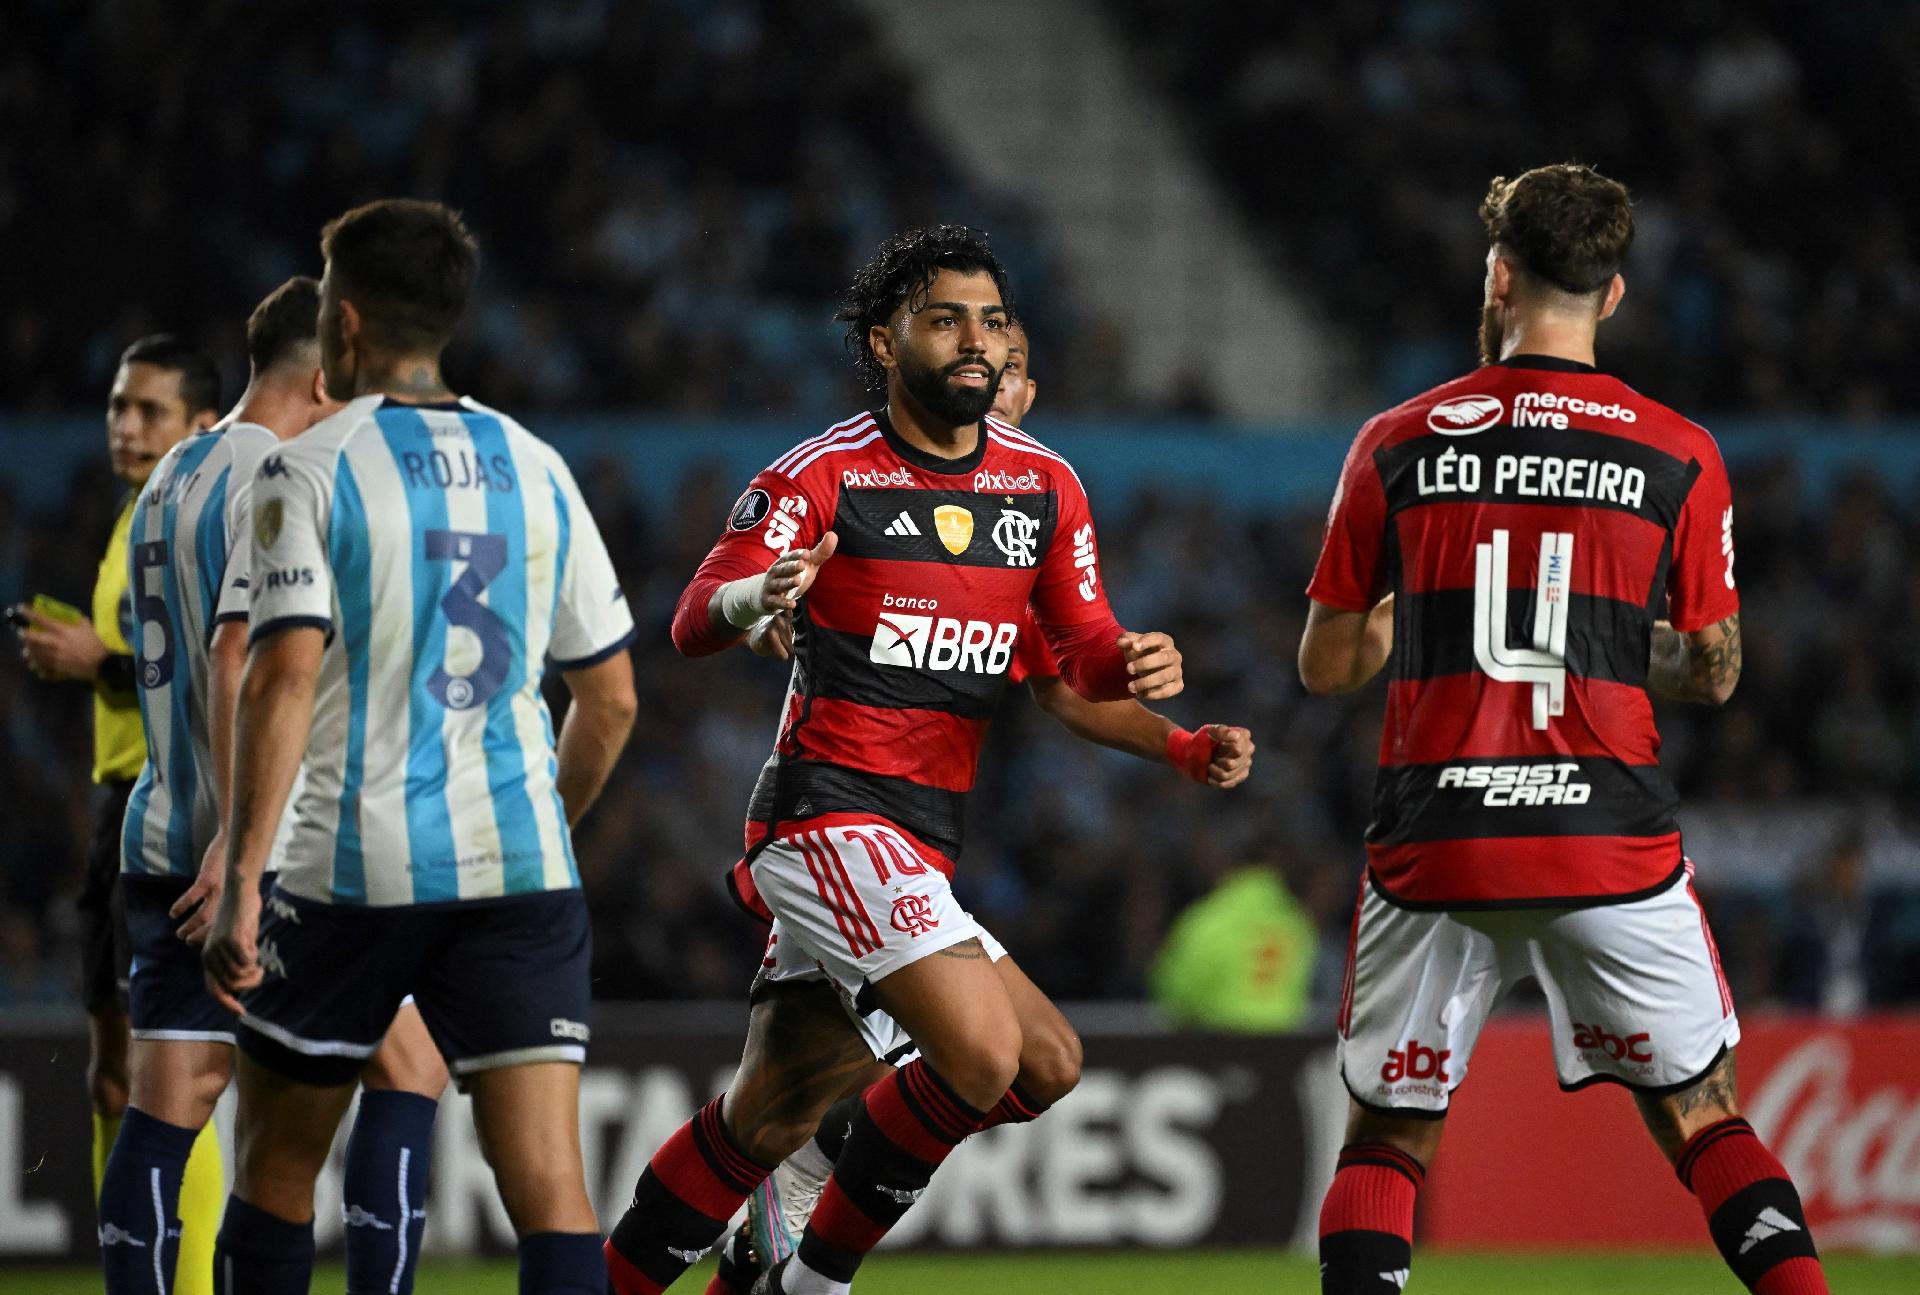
x=1092, y=486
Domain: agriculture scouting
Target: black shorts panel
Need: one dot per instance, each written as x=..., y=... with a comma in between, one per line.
x=498, y=982
x=167, y=989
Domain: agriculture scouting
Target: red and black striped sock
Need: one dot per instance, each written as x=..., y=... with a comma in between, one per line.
x=1752, y=1210
x=907, y=1125
x=1018, y=1107
x=681, y=1204
x=737, y=1271
x=1366, y=1222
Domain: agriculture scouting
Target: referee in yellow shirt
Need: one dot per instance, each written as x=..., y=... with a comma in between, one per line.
x=164, y=390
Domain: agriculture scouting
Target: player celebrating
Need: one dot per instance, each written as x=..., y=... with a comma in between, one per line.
x=946, y=524
x=191, y=557
x=164, y=390
x=1511, y=537
x=1218, y=755
x=417, y=559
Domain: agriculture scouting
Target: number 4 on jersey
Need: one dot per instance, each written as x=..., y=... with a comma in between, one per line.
x=1544, y=664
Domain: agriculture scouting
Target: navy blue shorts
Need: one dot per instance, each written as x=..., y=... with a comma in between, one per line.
x=166, y=988
x=499, y=982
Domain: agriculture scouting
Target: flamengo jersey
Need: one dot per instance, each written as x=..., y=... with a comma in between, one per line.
x=448, y=554
x=905, y=640
x=187, y=571
x=1532, y=520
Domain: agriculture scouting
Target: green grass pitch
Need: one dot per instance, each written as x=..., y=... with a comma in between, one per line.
x=1216, y=1272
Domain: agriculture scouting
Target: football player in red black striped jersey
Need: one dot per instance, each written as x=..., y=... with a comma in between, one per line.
x=1218, y=754
x=908, y=543
x=1509, y=542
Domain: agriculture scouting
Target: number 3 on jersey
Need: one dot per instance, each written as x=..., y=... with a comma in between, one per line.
x=1544, y=663
x=486, y=557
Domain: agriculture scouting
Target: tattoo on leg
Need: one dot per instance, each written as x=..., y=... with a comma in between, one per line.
x=969, y=950
x=1717, y=1089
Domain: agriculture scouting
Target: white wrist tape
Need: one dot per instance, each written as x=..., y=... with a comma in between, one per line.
x=740, y=601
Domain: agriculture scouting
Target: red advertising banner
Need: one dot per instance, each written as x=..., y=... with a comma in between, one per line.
x=1524, y=1164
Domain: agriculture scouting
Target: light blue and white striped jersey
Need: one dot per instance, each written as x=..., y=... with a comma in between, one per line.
x=449, y=556
x=188, y=557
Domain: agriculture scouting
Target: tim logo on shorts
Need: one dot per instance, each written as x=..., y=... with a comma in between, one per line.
x=1416, y=1062
x=913, y=915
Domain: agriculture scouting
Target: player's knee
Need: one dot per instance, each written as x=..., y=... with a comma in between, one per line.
x=979, y=1068
x=1050, y=1062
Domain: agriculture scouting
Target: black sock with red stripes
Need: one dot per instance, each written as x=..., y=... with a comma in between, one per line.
x=906, y=1126
x=692, y=1186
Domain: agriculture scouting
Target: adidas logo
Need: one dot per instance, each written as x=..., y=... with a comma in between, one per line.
x=112, y=1234
x=1771, y=1223
x=902, y=525
x=900, y=1197
x=1398, y=1277
x=689, y=1256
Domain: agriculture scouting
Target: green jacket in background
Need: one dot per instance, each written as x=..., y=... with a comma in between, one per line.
x=1239, y=958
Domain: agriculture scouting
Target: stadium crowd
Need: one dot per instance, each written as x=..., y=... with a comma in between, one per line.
x=671, y=191
x=1080, y=858
x=1775, y=269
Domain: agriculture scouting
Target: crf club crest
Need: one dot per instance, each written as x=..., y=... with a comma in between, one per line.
x=751, y=510
x=913, y=915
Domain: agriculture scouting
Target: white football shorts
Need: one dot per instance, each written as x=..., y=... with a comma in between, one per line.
x=854, y=901
x=1634, y=993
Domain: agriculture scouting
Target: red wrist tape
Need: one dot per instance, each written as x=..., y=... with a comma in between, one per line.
x=1190, y=752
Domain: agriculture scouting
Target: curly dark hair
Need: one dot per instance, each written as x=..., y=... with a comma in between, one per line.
x=1567, y=224
x=901, y=272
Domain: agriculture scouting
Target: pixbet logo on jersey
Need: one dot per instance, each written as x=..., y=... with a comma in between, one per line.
x=993, y=482
x=939, y=642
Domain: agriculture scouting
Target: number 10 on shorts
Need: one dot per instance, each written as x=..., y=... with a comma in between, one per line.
x=1544, y=663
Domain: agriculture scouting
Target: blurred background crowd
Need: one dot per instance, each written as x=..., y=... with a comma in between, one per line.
x=670, y=193
x=1080, y=858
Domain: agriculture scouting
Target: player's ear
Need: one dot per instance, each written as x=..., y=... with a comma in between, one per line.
x=1615, y=290
x=1033, y=389
x=1499, y=278
x=205, y=418
x=880, y=339
x=319, y=393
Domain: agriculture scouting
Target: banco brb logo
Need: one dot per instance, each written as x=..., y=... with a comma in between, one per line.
x=942, y=643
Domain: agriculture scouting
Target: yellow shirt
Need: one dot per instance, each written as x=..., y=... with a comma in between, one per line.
x=119, y=743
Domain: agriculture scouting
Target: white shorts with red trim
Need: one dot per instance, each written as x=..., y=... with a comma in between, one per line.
x=855, y=899
x=1634, y=993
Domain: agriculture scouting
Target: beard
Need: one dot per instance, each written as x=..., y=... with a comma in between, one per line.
x=954, y=406
x=1490, y=334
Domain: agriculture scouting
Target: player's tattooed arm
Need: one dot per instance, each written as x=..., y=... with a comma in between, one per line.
x=1701, y=666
